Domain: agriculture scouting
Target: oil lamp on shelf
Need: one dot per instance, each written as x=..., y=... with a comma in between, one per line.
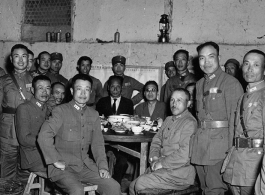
x=163, y=28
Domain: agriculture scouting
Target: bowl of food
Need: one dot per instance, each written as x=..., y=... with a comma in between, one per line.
x=146, y=127
x=137, y=129
x=130, y=124
x=118, y=119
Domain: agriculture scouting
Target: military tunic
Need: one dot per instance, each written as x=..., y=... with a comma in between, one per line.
x=2, y=72
x=10, y=99
x=128, y=86
x=244, y=165
x=60, y=78
x=67, y=136
x=178, y=81
x=216, y=100
x=30, y=117
x=171, y=145
x=51, y=76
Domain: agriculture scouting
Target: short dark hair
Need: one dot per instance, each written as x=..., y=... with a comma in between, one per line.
x=83, y=77
x=209, y=43
x=187, y=93
x=84, y=58
x=30, y=52
x=150, y=83
x=40, y=78
x=181, y=51
x=114, y=77
x=19, y=46
x=190, y=84
x=257, y=52
x=43, y=52
x=57, y=83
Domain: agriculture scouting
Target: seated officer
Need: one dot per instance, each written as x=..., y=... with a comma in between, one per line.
x=56, y=65
x=245, y=157
x=169, y=159
x=129, y=84
x=65, y=139
x=114, y=104
x=183, y=76
x=29, y=119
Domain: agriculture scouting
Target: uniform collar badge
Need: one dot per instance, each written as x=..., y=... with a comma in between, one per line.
x=253, y=89
x=212, y=76
x=77, y=107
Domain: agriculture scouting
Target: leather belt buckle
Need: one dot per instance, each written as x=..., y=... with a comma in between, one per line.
x=248, y=142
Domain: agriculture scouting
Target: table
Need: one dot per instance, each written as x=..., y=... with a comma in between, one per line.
x=115, y=139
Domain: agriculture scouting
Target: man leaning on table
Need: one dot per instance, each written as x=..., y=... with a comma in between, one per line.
x=65, y=140
x=169, y=157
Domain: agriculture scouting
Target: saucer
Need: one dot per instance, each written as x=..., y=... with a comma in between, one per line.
x=138, y=133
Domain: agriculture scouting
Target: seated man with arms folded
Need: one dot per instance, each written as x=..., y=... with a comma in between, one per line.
x=65, y=140
x=169, y=159
x=151, y=107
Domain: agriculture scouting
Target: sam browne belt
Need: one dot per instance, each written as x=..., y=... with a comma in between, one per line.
x=248, y=142
x=212, y=124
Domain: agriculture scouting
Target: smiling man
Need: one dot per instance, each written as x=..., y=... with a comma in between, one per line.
x=30, y=116
x=246, y=155
x=65, y=140
x=15, y=89
x=56, y=65
x=217, y=94
x=183, y=77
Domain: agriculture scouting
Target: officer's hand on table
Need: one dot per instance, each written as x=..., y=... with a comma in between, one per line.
x=104, y=174
x=59, y=165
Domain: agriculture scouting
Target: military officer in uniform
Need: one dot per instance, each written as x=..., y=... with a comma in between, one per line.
x=65, y=140
x=129, y=84
x=14, y=90
x=243, y=161
x=183, y=77
x=217, y=94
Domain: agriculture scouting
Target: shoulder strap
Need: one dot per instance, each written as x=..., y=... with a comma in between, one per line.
x=19, y=88
x=242, y=119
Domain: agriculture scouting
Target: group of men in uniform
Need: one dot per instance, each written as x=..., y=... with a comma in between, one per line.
x=226, y=148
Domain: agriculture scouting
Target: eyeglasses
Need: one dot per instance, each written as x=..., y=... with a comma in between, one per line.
x=151, y=90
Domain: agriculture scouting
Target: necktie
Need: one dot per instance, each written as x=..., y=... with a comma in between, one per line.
x=114, y=106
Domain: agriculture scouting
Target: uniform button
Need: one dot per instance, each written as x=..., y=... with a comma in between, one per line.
x=83, y=125
x=82, y=114
x=82, y=148
x=83, y=137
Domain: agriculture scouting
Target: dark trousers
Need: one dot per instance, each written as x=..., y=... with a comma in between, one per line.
x=120, y=166
x=70, y=181
x=211, y=180
x=10, y=163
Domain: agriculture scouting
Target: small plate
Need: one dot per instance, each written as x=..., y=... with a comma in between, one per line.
x=138, y=133
x=120, y=131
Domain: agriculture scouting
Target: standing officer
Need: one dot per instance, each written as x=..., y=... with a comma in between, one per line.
x=56, y=65
x=183, y=76
x=246, y=154
x=66, y=138
x=129, y=84
x=217, y=94
x=14, y=90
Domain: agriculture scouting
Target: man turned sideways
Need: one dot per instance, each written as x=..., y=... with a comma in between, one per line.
x=29, y=118
x=169, y=157
x=245, y=157
x=65, y=140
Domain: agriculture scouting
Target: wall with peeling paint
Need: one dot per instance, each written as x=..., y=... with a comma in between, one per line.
x=234, y=24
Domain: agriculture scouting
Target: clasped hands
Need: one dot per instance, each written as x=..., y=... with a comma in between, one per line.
x=155, y=163
x=102, y=172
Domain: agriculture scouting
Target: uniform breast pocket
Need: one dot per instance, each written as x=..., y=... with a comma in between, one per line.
x=216, y=102
x=71, y=132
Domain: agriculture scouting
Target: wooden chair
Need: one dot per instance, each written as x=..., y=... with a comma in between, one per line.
x=40, y=185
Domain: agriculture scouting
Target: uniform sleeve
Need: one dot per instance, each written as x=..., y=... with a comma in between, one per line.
x=98, y=146
x=46, y=136
x=181, y=156
x=105, y=90
x=232, y=95
x=99, y=91
x=138, y=87
x=23, y=120
x=99, y=107
x=167, y=91
x=130, y=108
x=162, y=93
x=260, y=183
